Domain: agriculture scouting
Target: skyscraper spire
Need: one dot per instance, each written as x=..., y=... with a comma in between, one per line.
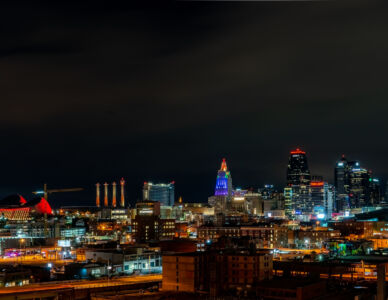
x=224, y=167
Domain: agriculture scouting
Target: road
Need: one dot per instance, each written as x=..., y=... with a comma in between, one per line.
x=33, y=260
x=80, y=284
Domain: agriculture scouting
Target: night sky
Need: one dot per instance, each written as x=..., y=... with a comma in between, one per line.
x=95, y=92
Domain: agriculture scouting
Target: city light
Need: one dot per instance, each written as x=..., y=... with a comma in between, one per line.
x=122, y=126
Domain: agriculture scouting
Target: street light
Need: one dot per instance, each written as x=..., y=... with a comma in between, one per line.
x=21, y=241
x=307, y=243
x=109, y=268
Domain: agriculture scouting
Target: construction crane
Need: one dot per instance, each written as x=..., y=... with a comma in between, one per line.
x=46, y=191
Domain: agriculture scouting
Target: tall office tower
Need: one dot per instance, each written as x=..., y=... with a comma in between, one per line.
x=300, y=199
x=224, y=181
x=298, y=178
x=341, y=176
x=298, y=172
x=386, y=192
x=288, y=202
x=358, y=185
x=321, y=200
x=341, y=183
x=223, y=190
x=161, y=192
x=354, y=185
x=375, y=196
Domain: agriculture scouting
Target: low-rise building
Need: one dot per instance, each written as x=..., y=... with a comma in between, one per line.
x=267, y=235
x=147, y=228
x=310, y=238
x=357, y=229
x=127, y=261
x=215, y=272
x=143, y=262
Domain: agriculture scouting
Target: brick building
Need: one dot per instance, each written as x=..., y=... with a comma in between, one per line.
x=216, y=272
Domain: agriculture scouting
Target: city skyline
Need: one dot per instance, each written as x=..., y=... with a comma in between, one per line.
x=193, y=149
x=144, y=93
x=135, y=193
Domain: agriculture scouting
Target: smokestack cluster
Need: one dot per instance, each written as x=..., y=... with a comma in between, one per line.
x=114, y=194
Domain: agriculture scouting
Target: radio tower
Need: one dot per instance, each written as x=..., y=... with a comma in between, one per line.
x=114, y=194
x=122, y=200
x=106, y=194
x=97, y=194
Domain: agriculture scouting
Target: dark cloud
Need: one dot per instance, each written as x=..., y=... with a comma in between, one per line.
x=163, y=92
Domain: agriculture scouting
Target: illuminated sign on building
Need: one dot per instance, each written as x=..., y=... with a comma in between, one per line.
x=63, y=243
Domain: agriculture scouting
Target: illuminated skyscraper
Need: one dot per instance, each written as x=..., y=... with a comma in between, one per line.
x=358, y=186
x=298, y=178
x=321, y=200
x=288, y=202
x=224, y=181
x=375, y=191
x=341, y=183
x=161, y=192
x=298, y=171
x=223, y=191
x=355, y=186
x=386, y=192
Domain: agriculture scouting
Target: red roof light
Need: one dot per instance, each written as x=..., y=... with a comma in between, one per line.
x=297, y=151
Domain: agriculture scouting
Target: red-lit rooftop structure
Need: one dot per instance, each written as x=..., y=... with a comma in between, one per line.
x=297, y=151
x=15, y=207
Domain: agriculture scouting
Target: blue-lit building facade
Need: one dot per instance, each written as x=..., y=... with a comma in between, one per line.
x=224, y=181
x=160, y=192
x=223, y=191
